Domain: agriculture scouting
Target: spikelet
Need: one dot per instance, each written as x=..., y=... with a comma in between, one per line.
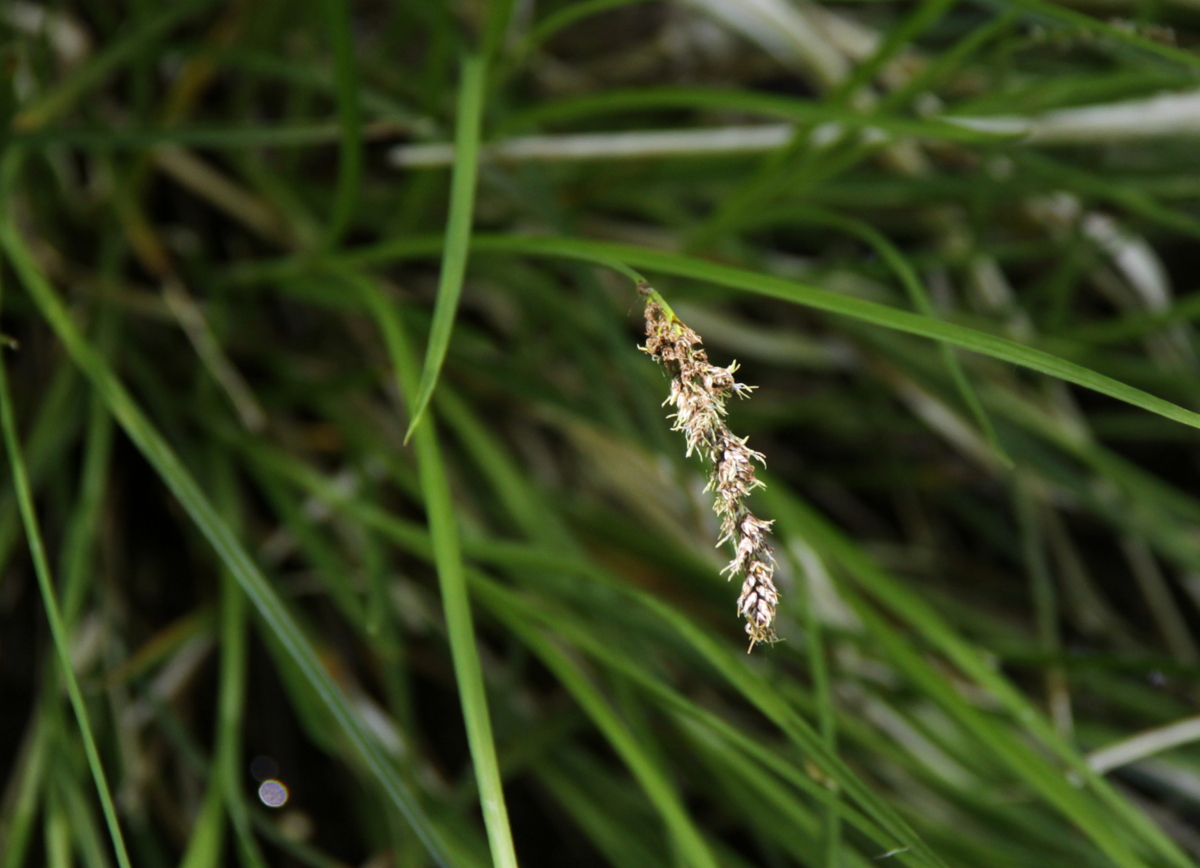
x=698, y=394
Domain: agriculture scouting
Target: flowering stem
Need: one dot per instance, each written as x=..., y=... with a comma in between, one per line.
x=698, y=394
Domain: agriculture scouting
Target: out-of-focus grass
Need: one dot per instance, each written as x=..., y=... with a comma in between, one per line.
x=963, y=283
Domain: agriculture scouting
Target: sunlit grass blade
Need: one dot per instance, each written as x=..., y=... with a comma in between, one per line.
x=458, y=231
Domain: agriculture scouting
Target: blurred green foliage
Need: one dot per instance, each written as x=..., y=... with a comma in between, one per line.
x=329, y=436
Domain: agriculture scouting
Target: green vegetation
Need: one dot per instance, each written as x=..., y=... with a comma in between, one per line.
x=332, y=458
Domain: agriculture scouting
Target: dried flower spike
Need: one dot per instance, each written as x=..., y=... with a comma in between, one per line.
x=698, y=394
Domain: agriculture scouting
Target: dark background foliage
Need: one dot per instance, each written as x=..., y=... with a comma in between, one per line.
x=228, y=238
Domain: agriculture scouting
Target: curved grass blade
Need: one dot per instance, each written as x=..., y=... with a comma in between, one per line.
x=181, y=483
x=604, y=252
x=58, y=628
x=458, y=232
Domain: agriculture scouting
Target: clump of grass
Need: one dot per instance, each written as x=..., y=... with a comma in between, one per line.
x=699, y=390
x=953, y=242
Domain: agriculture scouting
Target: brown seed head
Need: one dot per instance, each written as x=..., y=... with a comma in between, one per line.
x=698, y=393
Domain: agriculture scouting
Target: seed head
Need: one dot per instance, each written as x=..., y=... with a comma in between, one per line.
x=698, y=394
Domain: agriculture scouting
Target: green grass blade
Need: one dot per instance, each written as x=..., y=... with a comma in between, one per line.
x=1032, y=768
x=57, y=834
x=208, y=833
x=226, y=768
x=602, y=252
x=80, y=538
x=458, y=231
x=447, y=556
x=496, y=25
x=523, y=560
x=31, y=767
x=58, y=628
x=818, y=670
x=181, y=483
x=949, y=61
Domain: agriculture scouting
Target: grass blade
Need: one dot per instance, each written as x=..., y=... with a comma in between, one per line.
x=458, y=232
x=603, y=252
x=447, y=555
x=58, y=628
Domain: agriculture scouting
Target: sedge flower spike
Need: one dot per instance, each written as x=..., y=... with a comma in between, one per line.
x=698, y=394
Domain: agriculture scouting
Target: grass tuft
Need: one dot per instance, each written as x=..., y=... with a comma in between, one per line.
x=466, y=607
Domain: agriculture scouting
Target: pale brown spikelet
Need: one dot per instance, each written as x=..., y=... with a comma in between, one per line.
x=698, y=394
